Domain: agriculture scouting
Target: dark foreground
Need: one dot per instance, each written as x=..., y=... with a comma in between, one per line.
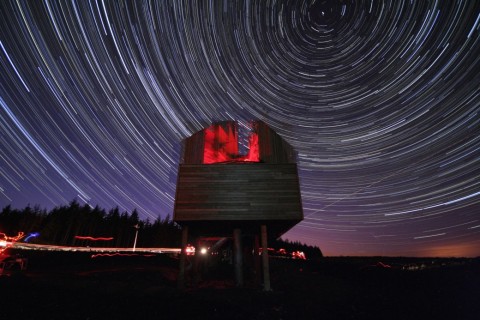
x=74, y=286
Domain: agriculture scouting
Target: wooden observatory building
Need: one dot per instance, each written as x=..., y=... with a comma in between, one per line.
x=222, y=193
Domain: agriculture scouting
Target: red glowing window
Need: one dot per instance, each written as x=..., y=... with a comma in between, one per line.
x=221, y=145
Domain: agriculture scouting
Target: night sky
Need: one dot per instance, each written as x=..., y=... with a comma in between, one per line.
x=380, y=99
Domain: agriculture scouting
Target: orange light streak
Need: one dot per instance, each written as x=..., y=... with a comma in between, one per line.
x=94, y=239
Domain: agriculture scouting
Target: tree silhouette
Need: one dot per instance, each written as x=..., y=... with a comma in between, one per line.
x=62, y=224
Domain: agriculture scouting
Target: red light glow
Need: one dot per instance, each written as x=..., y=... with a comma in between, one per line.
x=117, y=254
x=190, y=250
x=221, y=145
x=299, y=255
x=93, y=239
x=253, y=152
x=6, y=241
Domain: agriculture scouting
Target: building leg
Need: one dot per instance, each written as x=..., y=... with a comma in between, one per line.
x=183, y=256
x=197, y=274
x=266, y=268
x=257, y=261
x=238, y=257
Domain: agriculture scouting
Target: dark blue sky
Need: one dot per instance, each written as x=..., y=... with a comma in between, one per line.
x=379, y=98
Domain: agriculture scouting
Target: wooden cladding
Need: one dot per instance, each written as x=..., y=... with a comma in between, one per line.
x=272, y=148
x=238, y=192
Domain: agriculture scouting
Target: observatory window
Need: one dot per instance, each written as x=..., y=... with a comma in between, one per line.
x=221, y=145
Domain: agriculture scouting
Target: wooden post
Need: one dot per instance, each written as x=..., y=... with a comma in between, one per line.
x=183, y=256
x=197, y=276
x=266, y=269
x=256, y=260
x=238, y=256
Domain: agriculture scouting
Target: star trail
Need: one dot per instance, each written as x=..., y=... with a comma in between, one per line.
x=380, y=99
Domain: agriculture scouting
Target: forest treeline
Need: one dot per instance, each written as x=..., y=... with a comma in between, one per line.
x=62, y=224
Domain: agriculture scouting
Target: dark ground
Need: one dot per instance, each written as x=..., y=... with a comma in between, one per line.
x=74, y=286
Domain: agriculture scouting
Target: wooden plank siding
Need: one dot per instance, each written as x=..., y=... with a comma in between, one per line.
x=238, y=192
x=272, y=148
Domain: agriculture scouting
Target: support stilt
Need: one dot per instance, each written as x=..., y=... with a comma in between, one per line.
x=197, y=274
x=266, y=268
x=257, y=261
x=238, y=256
x=183, y=256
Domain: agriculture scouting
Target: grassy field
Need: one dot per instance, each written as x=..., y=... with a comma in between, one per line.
x=75, y=286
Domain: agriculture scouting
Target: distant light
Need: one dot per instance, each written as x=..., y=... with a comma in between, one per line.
x=190, y=250
x=31, y=235
x=203, y=250
x=299, y=255
x=93, y=239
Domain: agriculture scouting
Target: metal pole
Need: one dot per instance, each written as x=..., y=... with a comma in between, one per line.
x=266, y=269
x=136, y=235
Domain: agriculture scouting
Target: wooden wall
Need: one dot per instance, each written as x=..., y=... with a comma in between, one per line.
x=238, y=191
x=272, y=147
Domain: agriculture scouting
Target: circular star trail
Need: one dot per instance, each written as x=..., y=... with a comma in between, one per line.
x=379, y=98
